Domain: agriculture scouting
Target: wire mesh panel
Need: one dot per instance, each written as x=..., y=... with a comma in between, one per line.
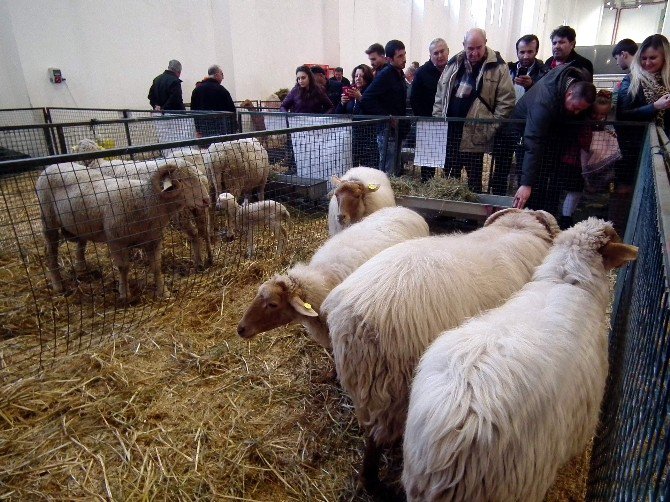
x=92, y=247
x=60, y=115
x=21, y=116
x=630, y=452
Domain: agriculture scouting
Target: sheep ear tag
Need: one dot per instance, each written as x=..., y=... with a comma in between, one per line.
x=167, y=184
x=302, y=307
x=616, y=255
x=373, y=187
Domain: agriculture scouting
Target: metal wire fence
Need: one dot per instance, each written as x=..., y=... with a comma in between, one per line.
x=630, y=452
x=89, y=245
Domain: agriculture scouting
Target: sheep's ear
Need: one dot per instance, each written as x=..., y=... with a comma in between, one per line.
x=500, y=213
x=549, y=222
x=302, y=307
x=372, y=187
x=336, y=181
x=616, y=254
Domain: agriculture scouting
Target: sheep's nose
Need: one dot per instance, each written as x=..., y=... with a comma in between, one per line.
x=240, y=330
x=340, y=218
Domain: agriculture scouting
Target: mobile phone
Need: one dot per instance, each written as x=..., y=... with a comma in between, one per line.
x=522, y=71
x=347, y=89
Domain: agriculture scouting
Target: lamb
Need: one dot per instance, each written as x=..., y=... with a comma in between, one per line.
x=498, y=404
x=359, y=193
x=194, y=220
x=84, y=205
x=385, y=314
x=296, y=296
x=252, y=218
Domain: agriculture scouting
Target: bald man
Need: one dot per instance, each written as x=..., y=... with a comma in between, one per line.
x=476, y=84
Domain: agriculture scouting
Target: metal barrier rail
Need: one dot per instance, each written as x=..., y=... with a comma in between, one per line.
x=629, y=460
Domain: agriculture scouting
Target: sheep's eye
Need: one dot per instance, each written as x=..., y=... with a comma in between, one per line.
x=273, y=305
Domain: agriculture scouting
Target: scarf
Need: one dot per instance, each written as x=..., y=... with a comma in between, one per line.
x=652, y=92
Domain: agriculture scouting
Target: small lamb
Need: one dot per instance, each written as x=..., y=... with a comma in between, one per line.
x=252, y=218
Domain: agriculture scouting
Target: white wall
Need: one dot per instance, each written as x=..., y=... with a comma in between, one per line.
x=109, y=51
x=638, y=24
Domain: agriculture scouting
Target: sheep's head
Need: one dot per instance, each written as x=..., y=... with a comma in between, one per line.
x=277, y=303
x=350, y=195
x=193, y=184
x=526, y=218
x=86, y=146
x=594, y=235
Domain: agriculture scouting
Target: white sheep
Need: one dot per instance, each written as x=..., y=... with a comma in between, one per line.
x=194, y=220
x=250, y=219
x=87, y=145
x=384, y=315
x=241, y=166
x=500, y=403
x=82, y=205
x=296, y=296
x=359, y=193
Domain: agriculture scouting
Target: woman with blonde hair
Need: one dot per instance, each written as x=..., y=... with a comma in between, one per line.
x=645, y=93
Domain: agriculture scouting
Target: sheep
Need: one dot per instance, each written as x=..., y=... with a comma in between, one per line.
x=498, y=404
x=242, y=165
x=359, y=193
x=84, y=205
x=296, y=296
x=251, y=218
x=87, y=145
x=193, y=220
x=384, y=315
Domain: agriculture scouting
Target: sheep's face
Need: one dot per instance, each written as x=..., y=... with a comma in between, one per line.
x=350, y=197
x=276, y=304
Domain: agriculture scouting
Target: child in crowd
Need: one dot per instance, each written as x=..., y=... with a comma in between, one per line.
x=599, y=151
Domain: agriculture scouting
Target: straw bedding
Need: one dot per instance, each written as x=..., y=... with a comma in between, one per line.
x=174, y=405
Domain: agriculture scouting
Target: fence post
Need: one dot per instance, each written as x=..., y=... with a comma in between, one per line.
x=61, y=139
x=126, y=115
x=48, y=131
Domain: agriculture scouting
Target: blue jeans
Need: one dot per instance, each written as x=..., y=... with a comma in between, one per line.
x=388, y=153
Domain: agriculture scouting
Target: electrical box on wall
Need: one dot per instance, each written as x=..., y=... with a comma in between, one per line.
x=55, y=76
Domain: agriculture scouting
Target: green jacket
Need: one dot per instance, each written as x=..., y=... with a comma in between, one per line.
x=495, y=88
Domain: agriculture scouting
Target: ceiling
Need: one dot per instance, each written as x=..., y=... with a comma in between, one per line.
x=630, y=4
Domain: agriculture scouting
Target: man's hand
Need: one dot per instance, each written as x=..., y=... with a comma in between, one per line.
x=521, y=197
x=524, y=81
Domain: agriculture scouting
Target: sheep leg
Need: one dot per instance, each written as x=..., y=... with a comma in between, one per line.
x=369, y=476
x=121, y=260
x=80, y=266
x=250, y=241
x=154, y=250
x=202, y=223
x=283, y=239
x=52, y=241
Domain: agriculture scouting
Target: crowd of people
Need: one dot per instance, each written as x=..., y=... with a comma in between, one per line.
x=477, y=84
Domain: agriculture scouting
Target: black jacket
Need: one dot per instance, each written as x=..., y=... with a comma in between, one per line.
x=542, y=107
x=424, y=87
x=165, y=91
x=537, y=71
x=577, y=61
x=210, y=95
x=334, y=89
x=386, y=95
x=634, y=108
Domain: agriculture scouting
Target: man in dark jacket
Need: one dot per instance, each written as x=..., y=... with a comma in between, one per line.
x=424, y=84
x=525, y=73
x=387, y=95
x=424, y=87
x=377, y=58
x=335, y=85
x=563, y=50
x=165, y=90
x=563, y=95
x=210, y=95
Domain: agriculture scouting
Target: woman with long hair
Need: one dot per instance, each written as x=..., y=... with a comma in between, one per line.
x=645, y=93
x=306, y=96
x=350, y=100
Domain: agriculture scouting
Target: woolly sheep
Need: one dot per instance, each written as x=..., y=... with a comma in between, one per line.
x=385, y=314
x=193, y=220
x=296, y=296
x=250, y=219
x=501, y=402
x=87, y=145
x=359, y=193
x=241, y=165
x=84, y=205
